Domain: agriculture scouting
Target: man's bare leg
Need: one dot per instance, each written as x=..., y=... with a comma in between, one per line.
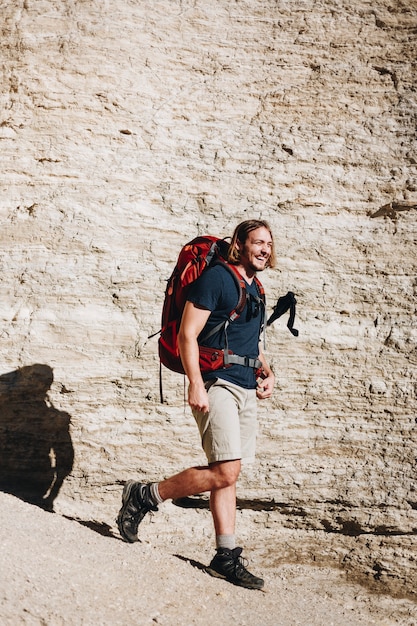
x=189, y=482
x=223, y=510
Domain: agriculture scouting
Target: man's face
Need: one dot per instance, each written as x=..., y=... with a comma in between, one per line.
x=256, y=250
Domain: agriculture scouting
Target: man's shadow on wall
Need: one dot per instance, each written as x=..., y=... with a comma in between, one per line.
x=36, y=452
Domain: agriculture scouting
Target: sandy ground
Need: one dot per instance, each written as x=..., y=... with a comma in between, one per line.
x=59, y=571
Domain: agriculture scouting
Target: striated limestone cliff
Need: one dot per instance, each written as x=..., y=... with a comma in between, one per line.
x=128, y=128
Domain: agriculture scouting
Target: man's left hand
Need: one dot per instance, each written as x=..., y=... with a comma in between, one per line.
x=265, y=387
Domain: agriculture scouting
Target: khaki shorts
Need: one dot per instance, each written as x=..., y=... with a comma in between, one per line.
x=228, y=430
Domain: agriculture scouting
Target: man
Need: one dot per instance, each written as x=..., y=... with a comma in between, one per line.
x=223, y=402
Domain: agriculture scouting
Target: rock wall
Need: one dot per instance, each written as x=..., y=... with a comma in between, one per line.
x=129, y=127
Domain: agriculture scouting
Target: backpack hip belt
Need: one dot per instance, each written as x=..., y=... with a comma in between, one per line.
x=231, y=359
x=212, y=359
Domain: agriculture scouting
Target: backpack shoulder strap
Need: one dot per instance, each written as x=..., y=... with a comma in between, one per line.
x=260, y=288
x=241, y=287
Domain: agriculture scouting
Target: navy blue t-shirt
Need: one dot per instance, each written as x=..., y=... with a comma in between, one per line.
x=216, y=290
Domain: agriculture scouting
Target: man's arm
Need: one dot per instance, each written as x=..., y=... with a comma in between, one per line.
x=194, y=319
x=266, y=385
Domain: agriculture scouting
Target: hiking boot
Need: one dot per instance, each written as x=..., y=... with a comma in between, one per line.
x=136, y=503
x=229, y=565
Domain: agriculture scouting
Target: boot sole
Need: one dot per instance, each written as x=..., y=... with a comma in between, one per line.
x=238, y=583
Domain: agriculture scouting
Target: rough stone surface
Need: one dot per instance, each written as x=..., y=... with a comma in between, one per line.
x=64, y=574
x=126, y=129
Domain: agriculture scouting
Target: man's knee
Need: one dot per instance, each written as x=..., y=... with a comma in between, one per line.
x=226, y=473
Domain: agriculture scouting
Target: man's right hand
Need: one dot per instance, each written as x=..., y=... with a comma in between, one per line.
x=198, y=397
x=193, y=321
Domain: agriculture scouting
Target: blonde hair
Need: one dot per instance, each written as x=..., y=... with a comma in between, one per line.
x=241, y=235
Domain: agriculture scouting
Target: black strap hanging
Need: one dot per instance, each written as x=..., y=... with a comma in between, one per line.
x=284, y=304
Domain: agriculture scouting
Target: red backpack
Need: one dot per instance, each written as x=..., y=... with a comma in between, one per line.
x=194, y=258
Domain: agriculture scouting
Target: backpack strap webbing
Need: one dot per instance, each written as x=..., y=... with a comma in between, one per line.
x=230, y=359
x=234, y=314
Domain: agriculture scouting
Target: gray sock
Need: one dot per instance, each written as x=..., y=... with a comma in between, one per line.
x=154, y=494
x=226, y=541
